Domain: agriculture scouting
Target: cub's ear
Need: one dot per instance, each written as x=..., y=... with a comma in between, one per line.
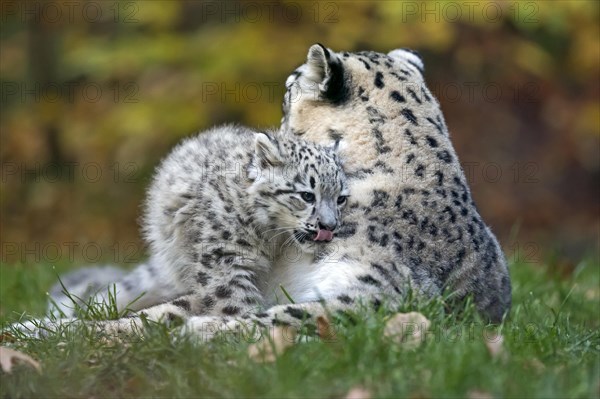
x=266, y=149
x=410, y=56
x=324, y=70
x=336, y=145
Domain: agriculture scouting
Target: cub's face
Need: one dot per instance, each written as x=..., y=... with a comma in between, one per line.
x=299, y=191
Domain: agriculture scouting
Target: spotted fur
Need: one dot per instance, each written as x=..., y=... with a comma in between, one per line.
x=224, y=207
x=411, y=223
x=416, y=222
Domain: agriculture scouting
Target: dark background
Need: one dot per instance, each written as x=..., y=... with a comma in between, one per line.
x=95, y=93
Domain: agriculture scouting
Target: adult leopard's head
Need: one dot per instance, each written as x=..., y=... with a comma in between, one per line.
x=359, y=99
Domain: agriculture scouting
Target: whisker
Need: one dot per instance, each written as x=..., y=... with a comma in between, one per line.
x=275, y=229
x=290, y=230
x=289, y=241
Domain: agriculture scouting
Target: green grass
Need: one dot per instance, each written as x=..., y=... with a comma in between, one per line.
x=551, y=350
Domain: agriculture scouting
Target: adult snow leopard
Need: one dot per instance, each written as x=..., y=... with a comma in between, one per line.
x=412, y=217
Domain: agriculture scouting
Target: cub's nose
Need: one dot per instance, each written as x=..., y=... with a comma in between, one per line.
x=327, y=226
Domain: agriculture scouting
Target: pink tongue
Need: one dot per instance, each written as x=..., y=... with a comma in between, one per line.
x=324, y=235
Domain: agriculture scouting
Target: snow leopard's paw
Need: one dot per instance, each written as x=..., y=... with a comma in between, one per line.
x=207, y=328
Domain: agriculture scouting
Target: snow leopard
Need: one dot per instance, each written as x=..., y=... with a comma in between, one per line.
x=411, y=204
x=410, y=225
x=224, y=207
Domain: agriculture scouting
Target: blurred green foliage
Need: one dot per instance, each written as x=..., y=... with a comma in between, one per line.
x=95, y=93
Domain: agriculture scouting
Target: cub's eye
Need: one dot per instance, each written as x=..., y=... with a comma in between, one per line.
x=308, y=197
x=342, y=199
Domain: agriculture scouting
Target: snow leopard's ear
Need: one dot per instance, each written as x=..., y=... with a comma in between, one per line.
x=325, y=71
x=338, y=147
x=410, y=56
x=267, y=151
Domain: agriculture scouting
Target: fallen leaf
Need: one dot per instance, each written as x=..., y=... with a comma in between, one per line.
x=9, y=356
x=535, y=364
x=592, y=294
x=269, y=347
x=407, y=329
x=326, y=333
x=495, y=346
x=475, y=394
x=358, y=393
x=6, y=337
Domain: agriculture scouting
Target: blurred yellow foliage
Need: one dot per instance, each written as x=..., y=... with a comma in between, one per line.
x=114, y=90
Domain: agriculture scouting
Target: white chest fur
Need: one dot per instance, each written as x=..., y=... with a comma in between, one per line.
x=305, y=280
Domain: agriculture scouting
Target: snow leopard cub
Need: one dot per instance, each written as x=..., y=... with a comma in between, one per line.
x=225, y=208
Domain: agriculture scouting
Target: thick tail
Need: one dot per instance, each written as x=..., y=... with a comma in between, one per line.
x=77, y=287
x=109, y=285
